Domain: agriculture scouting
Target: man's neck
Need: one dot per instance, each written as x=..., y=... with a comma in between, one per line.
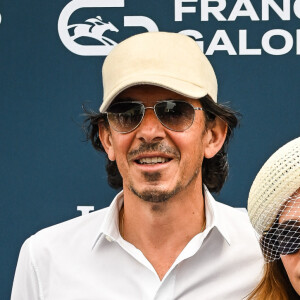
x=162, y=230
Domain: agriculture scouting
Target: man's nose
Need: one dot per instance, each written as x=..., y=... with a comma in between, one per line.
x=150, y=129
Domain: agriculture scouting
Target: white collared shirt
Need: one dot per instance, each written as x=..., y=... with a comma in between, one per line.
x=87, y=259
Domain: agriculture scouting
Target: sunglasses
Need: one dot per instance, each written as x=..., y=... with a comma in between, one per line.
x=285, y=238
x=288, y=238
x=175, y=115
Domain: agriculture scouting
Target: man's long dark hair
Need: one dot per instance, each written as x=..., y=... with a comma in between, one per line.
x=214, y=170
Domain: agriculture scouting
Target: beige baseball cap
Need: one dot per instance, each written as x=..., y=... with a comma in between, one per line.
x=169, y=60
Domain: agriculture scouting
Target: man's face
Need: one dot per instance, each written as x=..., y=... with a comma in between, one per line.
x=155, y=162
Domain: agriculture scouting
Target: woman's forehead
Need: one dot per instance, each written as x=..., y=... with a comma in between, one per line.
x=291, y=208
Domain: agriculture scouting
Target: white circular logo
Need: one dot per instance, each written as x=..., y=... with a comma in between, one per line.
x=95, y=27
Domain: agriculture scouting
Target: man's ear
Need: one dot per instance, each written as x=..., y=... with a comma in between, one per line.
x=216, y=134
x=106, y=140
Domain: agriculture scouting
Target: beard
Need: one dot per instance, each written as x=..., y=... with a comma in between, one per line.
x=156, y=195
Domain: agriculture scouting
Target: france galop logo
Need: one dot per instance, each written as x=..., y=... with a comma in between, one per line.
x=74, y=35
x=93, y=28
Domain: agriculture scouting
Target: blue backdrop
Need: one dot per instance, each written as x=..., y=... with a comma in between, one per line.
x=51, y=53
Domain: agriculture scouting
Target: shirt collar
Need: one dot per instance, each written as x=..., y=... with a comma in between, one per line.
x=110, y=226
x=214, y=218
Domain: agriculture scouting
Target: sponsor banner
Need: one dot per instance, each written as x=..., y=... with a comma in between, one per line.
x=275, y=41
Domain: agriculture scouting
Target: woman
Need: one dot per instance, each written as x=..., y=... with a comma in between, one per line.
x=274, y=210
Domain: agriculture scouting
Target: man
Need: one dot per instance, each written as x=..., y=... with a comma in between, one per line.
x=163, y=236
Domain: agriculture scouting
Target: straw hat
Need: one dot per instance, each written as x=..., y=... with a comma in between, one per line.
x=169, y=60
x=277, y=180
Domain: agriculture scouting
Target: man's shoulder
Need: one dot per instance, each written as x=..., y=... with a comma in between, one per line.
x=236, y=220
x=82, y=229
x=225, y=212
x=239, y=213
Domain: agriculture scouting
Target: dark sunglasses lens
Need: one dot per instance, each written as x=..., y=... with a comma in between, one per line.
x=289, y=240
x=175, y=115
x=125, y=116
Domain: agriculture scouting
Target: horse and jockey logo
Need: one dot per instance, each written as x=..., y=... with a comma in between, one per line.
x=90, y=37
x=75, y=36
x=93, y=28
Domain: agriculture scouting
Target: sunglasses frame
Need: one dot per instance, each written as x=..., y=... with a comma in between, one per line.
x=153, y=107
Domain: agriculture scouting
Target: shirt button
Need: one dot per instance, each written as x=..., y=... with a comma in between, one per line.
x=108, y=238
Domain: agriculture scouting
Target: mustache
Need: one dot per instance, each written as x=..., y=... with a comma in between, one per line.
x=153, y=147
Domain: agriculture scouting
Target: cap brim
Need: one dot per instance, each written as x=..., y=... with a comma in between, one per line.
x=179, y=86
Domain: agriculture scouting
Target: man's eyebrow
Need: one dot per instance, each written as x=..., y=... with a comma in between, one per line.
x=122, y=99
